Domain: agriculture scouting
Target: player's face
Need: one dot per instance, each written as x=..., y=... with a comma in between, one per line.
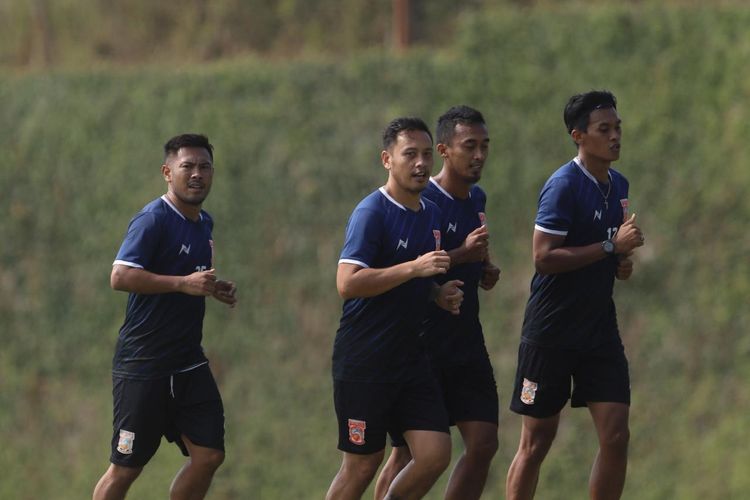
x=189, y=174
x=602, y=137
x=467, y=151
x=409, y=160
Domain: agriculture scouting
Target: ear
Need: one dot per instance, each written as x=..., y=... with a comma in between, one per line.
x=441, y=149
x=166, y=172
x=385, y=157
x=577, y=136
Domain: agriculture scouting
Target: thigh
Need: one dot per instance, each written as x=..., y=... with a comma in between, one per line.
x=602, y=375
x=139, y=419
x=542, y=385
x=362, y=412
x=419, y=404
x=470, y=392
x=198, y=411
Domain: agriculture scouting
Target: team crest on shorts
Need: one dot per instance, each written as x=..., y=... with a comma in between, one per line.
x=125, y=444
x=528, y=392
x=482, y=218
x=357, y=431
x=436, y=234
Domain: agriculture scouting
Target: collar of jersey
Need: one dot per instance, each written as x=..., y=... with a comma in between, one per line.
x=399, y=205
x=578, y=162
x=169, y=204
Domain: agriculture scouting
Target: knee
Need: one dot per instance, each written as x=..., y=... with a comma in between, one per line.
x=483, y=450
x=361, y=471
x=123, y=476
x=209, y=460
x=616, y=440
x=437, y=462
x=535, y=445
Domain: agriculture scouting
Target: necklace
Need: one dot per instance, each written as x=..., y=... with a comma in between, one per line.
x=605, y=196
x=578, y=160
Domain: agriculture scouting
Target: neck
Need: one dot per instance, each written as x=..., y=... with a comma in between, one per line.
x=407, y=198
x=596, y=167
x=192, y=212
x=458, y=188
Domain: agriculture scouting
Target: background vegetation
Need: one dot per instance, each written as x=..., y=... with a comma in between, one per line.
x=297, y=147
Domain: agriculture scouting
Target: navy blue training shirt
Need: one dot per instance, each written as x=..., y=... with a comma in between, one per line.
x=162, y=333
x=457, y=339
x=575, y=310
x=378, y=337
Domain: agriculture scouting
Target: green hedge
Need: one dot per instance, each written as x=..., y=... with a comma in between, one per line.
x=297, y=145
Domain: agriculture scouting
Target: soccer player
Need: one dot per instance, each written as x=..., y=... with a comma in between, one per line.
x=382, y=380
x=162, y=385
x=583, y=238
x=456, y=342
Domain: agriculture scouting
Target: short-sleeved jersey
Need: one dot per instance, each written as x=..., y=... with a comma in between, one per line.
x=575, y=310
x=378, y=337
x=162, y=332
x=457, y=339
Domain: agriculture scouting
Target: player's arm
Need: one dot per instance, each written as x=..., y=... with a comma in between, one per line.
x=354, y=281
x=551, y=257
x=137, y=280
x=473, y=249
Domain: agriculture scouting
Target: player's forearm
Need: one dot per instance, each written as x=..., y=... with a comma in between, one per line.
x=369, y=282
x=136, y=280
x=566, y=259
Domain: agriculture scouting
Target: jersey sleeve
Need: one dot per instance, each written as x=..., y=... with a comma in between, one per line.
x=556, y=208
x=363, y=238
x=139, y=246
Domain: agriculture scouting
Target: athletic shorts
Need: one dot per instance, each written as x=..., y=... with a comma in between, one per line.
x=367, y=411
x=186, y=403
x=469, y=392
x=543, y=378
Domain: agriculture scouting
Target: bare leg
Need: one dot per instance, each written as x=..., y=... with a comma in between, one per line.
x=537, y=435
x=400, y=458
x=354, y=476
x=608, y=472
x=431, y=452
x=193, y=480
x=470, y=473
x=115, y=482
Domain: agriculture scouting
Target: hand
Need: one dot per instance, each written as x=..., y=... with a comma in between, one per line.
x=199, y=283
x=226, y=292
x=432, y=263
x=624, y=266
x=450, y=296
x=476, y=245
x=628, y=237
x=490, y=276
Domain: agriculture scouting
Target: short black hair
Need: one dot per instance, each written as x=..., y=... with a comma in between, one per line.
x=446, y=124
x=174, y=144
x=579, y=108
x=398, y=125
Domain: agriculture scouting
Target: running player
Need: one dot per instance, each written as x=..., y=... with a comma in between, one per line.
x=456, y=342
x=583, y=238
x=382, y=380
x=162, y=385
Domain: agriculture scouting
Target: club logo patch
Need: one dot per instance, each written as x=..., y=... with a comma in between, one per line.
x=436, y=234
x=482, y=218
x=624, y=203
x=357, y=431
x=528, y=392
x=125, y=444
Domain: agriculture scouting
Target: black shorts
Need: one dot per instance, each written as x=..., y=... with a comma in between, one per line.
x=543, y=378
x=186, y=403
x=367, y=411
x=469, y=392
